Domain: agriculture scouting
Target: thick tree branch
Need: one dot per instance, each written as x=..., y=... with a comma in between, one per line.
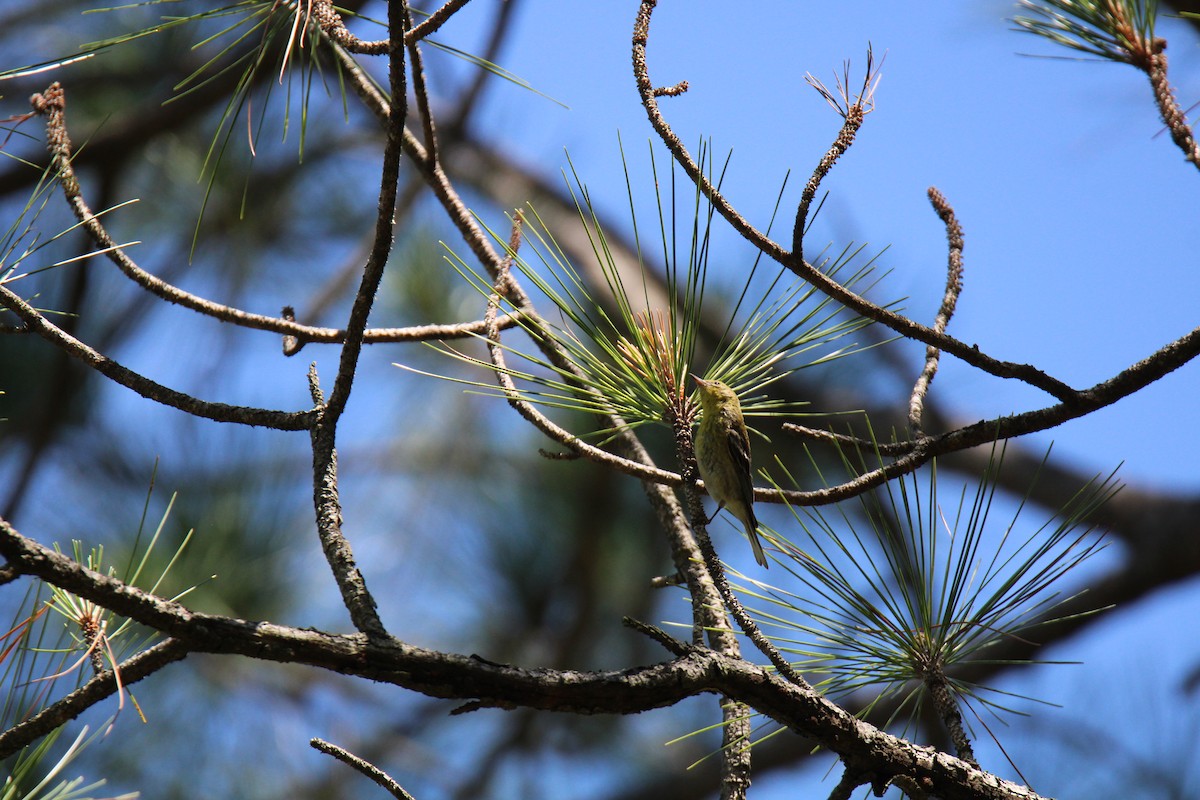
x=446, y=675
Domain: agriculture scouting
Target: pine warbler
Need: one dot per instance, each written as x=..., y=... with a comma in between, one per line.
x=723, y=456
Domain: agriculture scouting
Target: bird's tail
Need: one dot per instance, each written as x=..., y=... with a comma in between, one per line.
x=756, y=544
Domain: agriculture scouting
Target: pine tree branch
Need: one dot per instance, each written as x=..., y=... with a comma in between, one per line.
x=447, y=675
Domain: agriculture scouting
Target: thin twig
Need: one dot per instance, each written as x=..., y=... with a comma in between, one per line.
x=1149, y=55
x=954, y=275
x=840, y=145
x=853, y=113
x=384, y=218
x=672, y=91
x=334, y=27
x=151, y=390
x=435, y=20
x=947, y=710
x=51, y=104
x=547, y=426
x=574, y=443
x=378, y=776
x=1165, y=360
x=669, y=642
x=421, y=94
x=739, y=613
x=846, y=440
x=1168, y=107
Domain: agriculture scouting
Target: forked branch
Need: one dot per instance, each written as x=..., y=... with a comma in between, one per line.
x=827, y=285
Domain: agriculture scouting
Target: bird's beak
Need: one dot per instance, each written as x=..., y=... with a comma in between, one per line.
x=699, y=380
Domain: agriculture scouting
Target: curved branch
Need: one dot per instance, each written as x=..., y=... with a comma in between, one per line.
x=434, y=21
x=1168, y=107
x=362, y=766
x=954, y=284
x=827, y=285
x=334, y=28
x=568, y=439
x=1163, y=361
x=845, y=138
x=1149, y=56
x=220, y=412
x=52, y=105
x=504, y=285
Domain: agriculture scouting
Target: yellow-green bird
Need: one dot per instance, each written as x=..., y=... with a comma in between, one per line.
x=723, y=456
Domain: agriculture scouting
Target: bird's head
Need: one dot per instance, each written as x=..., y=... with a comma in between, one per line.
x=714, y=394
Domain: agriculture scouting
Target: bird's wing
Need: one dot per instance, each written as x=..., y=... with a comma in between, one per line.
x=739, y=452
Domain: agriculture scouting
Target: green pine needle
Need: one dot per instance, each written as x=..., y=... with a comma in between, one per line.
x=1115, y=30
x=630, y=348
x=898, y=589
